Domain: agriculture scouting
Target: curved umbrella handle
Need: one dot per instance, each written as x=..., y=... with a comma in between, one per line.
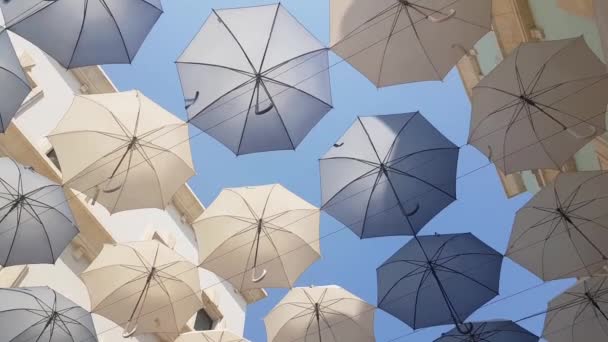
x=577, y=135
x=465, y=328
x=126, y=333
x=413, y=212
x=190, y=102
x=263, y=111
x=257, y=279
x=442, y=17
x=338, y=144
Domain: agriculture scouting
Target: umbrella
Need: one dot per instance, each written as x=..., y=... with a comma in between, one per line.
x=389, y=175
x=36, y=223
x=255, y=79
x=325, y=313
x=492, y=331
x=562, y=232
x=540, y=106
x=144, y=287
x=79, y=33
x=40, y=314
x=210, y=336
x=255, y=237
x=14, y=86
x=398, y=41
x=580, y=313
x=123, y=150
x=437, y=280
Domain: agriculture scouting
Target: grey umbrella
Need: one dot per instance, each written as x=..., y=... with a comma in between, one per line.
x=42, y=315
x=437, y=280
x=35, y=219
x=580, y=314
x=491, y=331
x=79, y=33
x=255, y=79
x=389, y=175
x=14, y=87
x=562, y=232
x=540, y=106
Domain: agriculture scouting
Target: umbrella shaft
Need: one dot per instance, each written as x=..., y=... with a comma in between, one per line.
x=318, y=316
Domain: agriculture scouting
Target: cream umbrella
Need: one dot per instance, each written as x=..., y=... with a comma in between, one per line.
x=257, y=237
x=324, y=313
x=210, y=336
x=398, y=41
x=144, y=287
x=123, y=150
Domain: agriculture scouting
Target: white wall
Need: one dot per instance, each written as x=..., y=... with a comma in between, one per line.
x=38, y=118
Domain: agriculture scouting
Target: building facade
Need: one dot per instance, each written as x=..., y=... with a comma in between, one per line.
x=25, y=141
x=520, y=21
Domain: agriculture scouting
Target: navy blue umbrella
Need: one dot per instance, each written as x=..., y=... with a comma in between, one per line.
x=389, y=175
x=437, y=280
x=493, y=331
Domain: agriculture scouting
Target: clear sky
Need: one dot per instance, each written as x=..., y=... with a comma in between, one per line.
x=482, y=207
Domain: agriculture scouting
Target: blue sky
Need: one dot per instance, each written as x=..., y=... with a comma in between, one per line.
x=347, y=261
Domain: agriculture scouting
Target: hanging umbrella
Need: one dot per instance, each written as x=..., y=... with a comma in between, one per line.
x=579, y=314
x=40, y=314
x=36, y=223
x=14, y=87
x=325, y=313
x=492, y=331
x=389, y=175
x=540, y=106
x=255, y=79
x=562, y=232
x=398, y=41
x=79, y=33
x=123, y=150
x=210, y=336
x=144, y=287
x=256, y=237
x=437, y=280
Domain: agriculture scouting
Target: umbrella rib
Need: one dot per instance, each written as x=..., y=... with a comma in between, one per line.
x=238, y=150
x=278, y=112
x=149, y=162
x=368, y=21
x=84, y=18
x=365, y=175
x=329, y=326
x=428, y=58
x=243, y=72
x=236, y=40
x=394, y=143
x=425, y=276
x=46, y=234
x=122, y=38
x=8, y=254
x=509, y=126
x=410, y=274
x=451, y=270
x=17, y=77
x=402, y=173
x=274, y=21
x=520, y=83
x=272, y=80
x=271, y=69
x=255, y=216
x=363, y=161
x=369, y=200
x=536, y=79
x=541, y=142
x=369, y=139
x=274, y=246
x=200, y=113
x=122, y=188
x=388, y=41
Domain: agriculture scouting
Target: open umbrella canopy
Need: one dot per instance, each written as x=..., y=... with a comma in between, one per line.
x=320, y=314
x=255, y=79
x=562, y=232
x=40, y=314
x=491, y=331
x=144, y=287
x=437, y=280
x=580, y=313
x=541, y=105
x=210, y=336
x=36, y=223
x=398, y=41
x=14, y=87
x=256, y=237
x=123, y=150
x=79, y=33
x=389, y=175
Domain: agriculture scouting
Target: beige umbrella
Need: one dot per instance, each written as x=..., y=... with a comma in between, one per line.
x=321, y=314
x=398, y=41
x=123, y=150
x=580, y=314
x=562, y=232
x=541, y=105
x=210, y=336
x=144, y=287
x=257, y=237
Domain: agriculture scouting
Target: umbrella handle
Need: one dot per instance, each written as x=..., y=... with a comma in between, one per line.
x=190, y=102
x=465, y=328
x=442, y=17
x=257, y=279
x=126, y=333
x=413, y=212
x=577, y=135
x=263, y=111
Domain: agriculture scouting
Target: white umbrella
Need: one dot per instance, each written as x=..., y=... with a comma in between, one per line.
x=123, y=150
x=210, y=336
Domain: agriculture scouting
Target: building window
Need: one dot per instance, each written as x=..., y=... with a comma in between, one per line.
x=53, y=157
x=203, y=321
